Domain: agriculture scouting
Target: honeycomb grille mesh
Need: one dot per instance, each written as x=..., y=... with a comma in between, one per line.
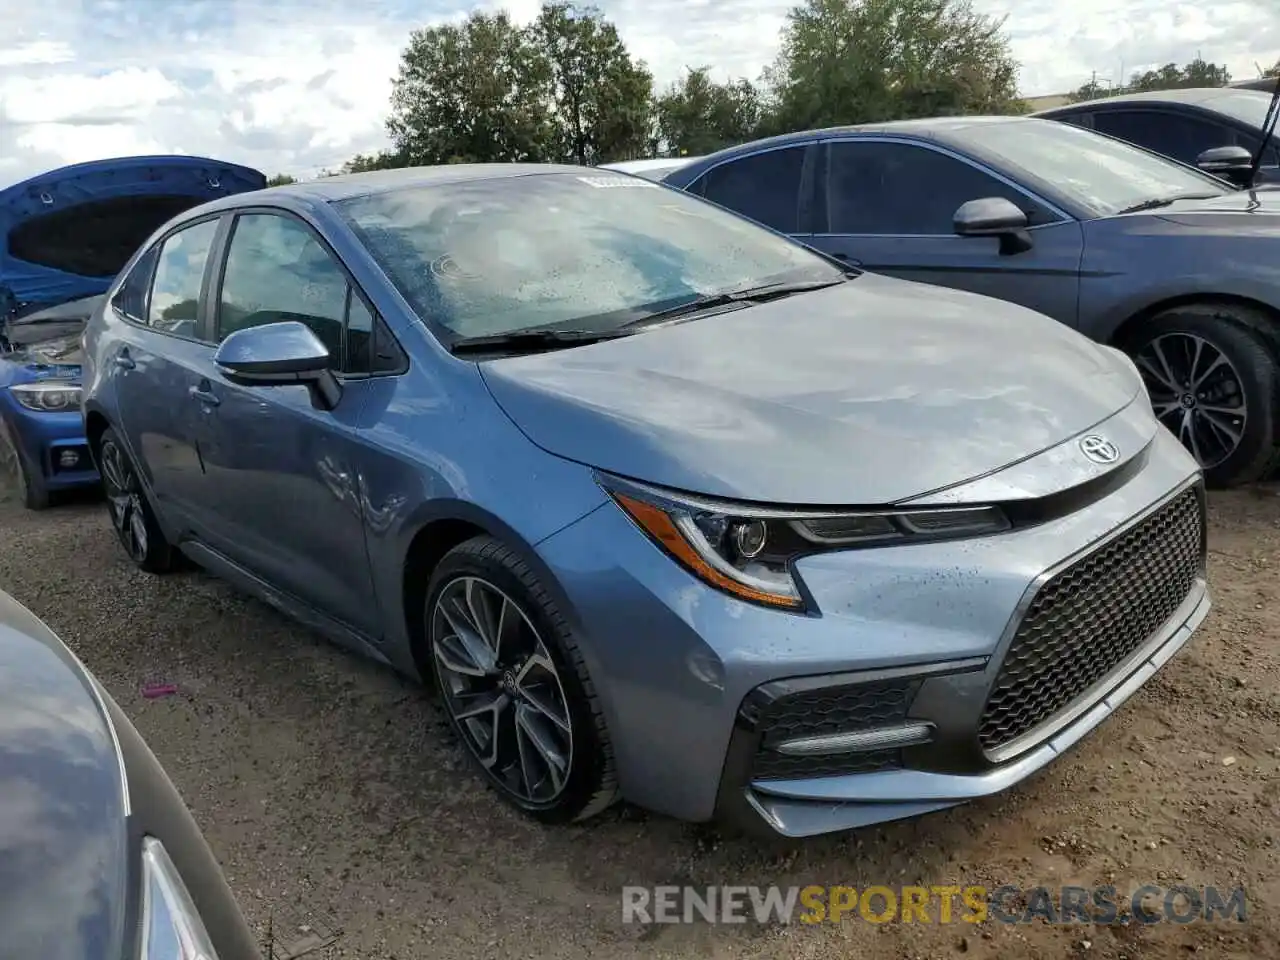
x=1089, y=618
x=831, y=710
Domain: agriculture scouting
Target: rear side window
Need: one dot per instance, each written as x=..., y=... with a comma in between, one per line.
x=764, y=187
x=131, y=299
x=175, y=294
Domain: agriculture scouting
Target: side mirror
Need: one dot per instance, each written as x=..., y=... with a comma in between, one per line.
x=994, y=217
x=276, y=354
x=1229, y=163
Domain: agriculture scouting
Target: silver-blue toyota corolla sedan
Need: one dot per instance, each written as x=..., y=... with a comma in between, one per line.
x=669, y=506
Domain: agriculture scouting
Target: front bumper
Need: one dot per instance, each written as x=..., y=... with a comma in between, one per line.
x=685, y=674
x=52, y=446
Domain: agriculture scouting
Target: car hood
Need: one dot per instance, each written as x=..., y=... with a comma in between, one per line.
x=871, y=392
x=1241, y=212
x=63, y=855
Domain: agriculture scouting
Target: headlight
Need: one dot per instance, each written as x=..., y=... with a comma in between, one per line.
x=171, y=928
x=48, y=396
x=748, y=551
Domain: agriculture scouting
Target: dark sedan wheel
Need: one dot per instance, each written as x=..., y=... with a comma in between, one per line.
x=1213, y=383
x=131, y=515
x=514, y=684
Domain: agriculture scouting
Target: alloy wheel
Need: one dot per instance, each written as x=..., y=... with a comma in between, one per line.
x=124, y=500
x=1196, y=392
x=502, y=689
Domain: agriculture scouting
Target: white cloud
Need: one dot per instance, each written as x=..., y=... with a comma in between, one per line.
x=297, y=85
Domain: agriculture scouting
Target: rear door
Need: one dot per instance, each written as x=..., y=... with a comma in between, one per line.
x=155, y=354
x=282, y=478
x=889, y=205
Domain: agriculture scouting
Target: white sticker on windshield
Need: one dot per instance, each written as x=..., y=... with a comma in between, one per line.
x=611, y=183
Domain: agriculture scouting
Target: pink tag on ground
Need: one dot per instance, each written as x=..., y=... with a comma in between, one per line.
x=154, y=690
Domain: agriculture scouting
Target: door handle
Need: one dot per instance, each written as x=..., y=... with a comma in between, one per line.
x=124, y=361
x=204, y=394
x=852, y=261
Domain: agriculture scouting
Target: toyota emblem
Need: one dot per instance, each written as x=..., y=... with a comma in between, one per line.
x=1099, y=449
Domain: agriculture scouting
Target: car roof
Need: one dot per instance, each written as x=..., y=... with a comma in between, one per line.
x=941, y=129
x=347, y=185
x=1200, y=96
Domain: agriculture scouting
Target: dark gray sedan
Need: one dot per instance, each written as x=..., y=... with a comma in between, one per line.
x=1132, y=249
x=99, y=858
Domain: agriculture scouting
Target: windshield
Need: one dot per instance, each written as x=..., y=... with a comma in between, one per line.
x=564, y=250
x=1102, y=175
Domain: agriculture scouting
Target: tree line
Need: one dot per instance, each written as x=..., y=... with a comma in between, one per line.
x=1197, y=73
x=565, y=88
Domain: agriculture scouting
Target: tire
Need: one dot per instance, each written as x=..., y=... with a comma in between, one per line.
x=534, y=633
x=35, y=495
x=1248, y=381
x=132, y=516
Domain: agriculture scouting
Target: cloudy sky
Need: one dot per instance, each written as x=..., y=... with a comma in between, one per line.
x=299, y=85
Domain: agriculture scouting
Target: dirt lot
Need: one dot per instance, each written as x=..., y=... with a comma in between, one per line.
x=331, y=791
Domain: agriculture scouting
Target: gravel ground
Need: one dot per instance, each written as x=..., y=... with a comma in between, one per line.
x=331, y=791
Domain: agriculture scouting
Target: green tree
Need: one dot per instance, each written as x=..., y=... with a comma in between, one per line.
x=854, y=61
x=1197, y=73
x=696, y=115
x=382, y=160
x=601, y=97
x=280, y=179
x=1273, y=71
x=474, y=91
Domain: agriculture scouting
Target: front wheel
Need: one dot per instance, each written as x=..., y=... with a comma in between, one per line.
x=131, y=515
x=514, y=684
x=1213, y=382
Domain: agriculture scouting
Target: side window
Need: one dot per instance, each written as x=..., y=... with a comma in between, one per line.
x=277, y=270
x=1270, y=158
x=175, y=293
x=370, y=346
x=1076, y=119
x=131, y=298
x=764, y=187
x=900, y=189
x=1179, y=137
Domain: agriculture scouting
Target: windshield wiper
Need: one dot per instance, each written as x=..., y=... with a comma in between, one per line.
x=756, y=294
x=530, y=340
x=1156, y=203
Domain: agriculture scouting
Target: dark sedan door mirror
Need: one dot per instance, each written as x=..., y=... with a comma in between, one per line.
x=1229, y=163
x=994, y=217
x=276, y=354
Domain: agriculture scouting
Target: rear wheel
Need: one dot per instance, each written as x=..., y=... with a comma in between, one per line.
x=1213, y=382
x=131, y=515
x=514, y=684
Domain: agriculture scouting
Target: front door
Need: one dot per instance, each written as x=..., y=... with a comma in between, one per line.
x=156, y=314
x=889, y=206
x=281, y=476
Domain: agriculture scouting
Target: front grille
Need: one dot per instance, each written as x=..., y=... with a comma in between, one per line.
x=827, y=710
x=1089, y=618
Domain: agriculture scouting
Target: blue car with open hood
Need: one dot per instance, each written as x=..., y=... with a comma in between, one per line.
x=64, y=235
